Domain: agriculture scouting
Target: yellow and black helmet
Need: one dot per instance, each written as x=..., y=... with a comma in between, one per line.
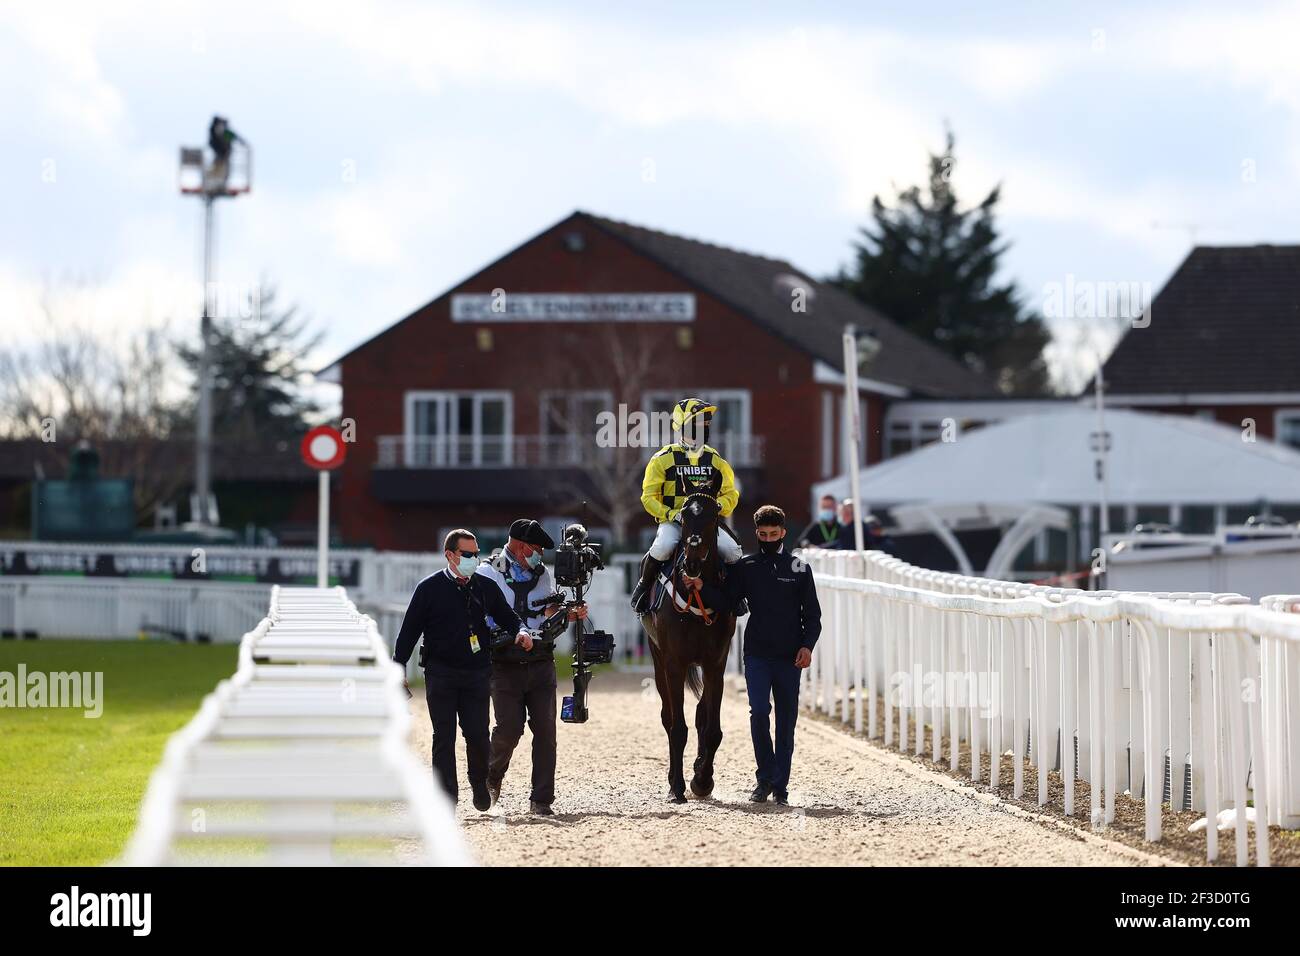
x=688, y=408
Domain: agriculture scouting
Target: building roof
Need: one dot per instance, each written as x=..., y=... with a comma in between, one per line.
x=760, y=288
x=1048, y=458
x=1228, y=320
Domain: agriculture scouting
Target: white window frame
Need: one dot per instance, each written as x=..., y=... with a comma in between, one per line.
x=662, y=399
x=577, y=394
x=581, y=440
x=1280, y=416
x=453, y=395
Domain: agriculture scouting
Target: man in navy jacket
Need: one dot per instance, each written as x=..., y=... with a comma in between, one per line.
x=784, y=623
x=449, y=609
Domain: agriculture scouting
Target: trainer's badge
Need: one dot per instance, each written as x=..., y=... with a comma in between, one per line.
x=474, y=645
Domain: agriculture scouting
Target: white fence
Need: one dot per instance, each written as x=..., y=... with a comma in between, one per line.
x=300, y=758
x=1189, y=699
x=52, y=606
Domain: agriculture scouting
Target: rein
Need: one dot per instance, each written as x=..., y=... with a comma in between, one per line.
x=695, y=598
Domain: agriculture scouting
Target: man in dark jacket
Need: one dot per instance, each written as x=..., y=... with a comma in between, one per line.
x=873, y=533
x=824, y=530
x=448, y=609
x=785, y=620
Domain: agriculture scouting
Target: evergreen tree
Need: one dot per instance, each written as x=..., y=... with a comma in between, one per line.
x=930, y=266
x=258, y=375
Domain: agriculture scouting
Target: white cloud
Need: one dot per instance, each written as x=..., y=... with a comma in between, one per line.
x=74, y=93
x=857, y=105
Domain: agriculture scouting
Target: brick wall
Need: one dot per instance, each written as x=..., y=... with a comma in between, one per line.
x=428, y=351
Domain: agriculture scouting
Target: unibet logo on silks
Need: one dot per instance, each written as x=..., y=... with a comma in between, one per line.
x=103, y=909
x=696, y=474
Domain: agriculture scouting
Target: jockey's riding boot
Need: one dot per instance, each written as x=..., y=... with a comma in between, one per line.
x=641, y=593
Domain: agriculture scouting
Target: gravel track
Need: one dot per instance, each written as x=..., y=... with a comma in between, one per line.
x=852, y=803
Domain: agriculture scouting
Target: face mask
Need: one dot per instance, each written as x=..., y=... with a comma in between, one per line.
x=534, y=560
x=769, y=547
x=466, y=566
x=827, y=516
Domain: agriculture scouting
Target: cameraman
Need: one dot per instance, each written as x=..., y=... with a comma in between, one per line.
x=448, y=608
x=523, y=680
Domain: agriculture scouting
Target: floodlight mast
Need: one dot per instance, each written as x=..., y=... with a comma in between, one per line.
x=229, y=174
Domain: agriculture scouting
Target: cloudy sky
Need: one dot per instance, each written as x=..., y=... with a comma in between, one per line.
x=401, y=146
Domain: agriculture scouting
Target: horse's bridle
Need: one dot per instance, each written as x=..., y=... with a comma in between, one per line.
x=693, y=596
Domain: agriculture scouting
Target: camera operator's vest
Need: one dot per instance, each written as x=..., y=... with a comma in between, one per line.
x=682, y=479
x=521, y=592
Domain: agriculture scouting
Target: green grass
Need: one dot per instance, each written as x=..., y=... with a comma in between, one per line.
x=70, y=787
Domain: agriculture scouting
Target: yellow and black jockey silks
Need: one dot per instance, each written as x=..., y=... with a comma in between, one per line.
x=675, y=471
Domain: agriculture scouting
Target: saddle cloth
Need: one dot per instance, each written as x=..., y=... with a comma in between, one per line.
x=665, y=586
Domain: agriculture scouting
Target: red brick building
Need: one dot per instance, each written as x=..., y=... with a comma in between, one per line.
x=485, y=404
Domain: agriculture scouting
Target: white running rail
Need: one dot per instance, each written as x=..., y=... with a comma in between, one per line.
x=300, y=758
x=122, y=608
x=1187, y=699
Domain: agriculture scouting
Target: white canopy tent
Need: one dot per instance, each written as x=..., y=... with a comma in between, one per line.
x=1049, y=459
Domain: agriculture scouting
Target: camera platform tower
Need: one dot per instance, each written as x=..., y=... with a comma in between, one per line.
x=224, y=171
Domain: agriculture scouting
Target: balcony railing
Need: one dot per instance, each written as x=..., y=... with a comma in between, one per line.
x=532, y=451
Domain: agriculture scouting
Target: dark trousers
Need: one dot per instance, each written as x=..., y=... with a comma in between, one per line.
x=771, y=681
x=519, y=690
x=462, y=694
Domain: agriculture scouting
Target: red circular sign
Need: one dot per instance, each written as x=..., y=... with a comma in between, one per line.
x=323, y=448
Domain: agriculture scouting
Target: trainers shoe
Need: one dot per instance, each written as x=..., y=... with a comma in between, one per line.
x=541, y=809
x=761, y=793
x=482, y=800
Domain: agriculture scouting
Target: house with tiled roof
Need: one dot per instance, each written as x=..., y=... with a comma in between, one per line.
x=1221, y=341
x=518, y=390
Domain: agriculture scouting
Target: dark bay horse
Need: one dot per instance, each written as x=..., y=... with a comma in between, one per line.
x=689, y=650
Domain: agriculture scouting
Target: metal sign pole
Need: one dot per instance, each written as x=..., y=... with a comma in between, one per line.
x=855, y=435
x=323, y=530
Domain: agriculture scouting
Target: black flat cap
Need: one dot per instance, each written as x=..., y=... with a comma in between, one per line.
x=530, y=532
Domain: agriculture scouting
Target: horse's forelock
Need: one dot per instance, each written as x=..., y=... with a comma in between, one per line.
x=696, y=505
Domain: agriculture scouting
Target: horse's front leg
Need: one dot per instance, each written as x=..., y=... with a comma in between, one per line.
x=672, y=694
x=708, y=730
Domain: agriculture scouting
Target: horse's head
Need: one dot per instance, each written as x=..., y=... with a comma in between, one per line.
x=699, y=531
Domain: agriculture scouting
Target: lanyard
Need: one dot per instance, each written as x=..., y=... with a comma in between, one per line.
x=471, y=602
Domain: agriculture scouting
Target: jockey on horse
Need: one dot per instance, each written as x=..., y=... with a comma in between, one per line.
x=673, y=473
